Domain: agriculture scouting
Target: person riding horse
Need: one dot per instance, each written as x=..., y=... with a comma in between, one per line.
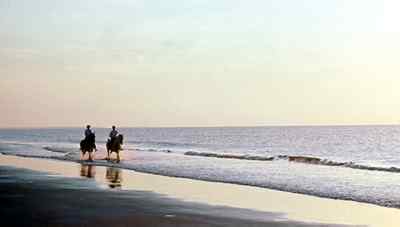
x=89, y=143
x=114, y=143
x=113, y=135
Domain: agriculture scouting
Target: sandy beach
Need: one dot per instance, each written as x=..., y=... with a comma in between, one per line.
x=56, y=193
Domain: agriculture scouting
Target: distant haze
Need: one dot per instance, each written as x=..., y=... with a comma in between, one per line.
x=199, y=63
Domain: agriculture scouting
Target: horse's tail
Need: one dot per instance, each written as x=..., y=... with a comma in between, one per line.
x=122, y=138
x=82, y=144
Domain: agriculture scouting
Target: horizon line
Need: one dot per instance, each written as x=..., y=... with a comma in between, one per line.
x=217, y=126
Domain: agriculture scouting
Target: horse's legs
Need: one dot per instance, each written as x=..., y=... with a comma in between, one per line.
x=118, y=158
x=90, y=155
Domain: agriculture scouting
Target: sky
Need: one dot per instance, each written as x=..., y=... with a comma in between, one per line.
x=148, y=63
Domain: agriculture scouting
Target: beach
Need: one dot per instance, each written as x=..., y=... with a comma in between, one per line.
x=199, y=113
x=43, y=192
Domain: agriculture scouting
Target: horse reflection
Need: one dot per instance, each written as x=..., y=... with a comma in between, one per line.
x=114, y=177
x=88, y=171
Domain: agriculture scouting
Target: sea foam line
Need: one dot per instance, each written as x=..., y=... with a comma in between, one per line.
x=229, y=156
x=298, y=159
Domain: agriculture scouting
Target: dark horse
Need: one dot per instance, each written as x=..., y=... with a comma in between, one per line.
x=88, y=145
x=115, y=146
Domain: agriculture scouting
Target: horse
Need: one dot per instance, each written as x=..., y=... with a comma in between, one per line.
x=88, y=145
x=115, y=146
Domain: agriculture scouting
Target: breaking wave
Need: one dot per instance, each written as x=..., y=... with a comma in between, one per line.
x=161, y=143
x=63, y=150
x=298, y=159
x=230, y=156
x=326, y=162
x=154, y=150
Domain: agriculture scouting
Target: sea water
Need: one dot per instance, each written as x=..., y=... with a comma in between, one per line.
x=360, y=163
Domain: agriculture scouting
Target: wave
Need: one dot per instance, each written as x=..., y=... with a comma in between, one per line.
x=34, y=156
x=64, y=150
x=17, y=143
x=162, y=143
x=153, y=150
x=326, y=162
x=298, y=159
x=230, y=156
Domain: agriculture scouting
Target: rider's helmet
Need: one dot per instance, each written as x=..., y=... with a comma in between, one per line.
x=87, y=126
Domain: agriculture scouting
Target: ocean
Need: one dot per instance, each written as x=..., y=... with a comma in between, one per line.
x=359, y=163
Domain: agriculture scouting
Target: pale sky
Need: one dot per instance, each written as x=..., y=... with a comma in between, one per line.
x=199, y=62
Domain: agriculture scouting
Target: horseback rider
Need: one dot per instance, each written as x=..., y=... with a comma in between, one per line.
x=88, y=131
x=113, y=134
x=114, y=143
x=90, y=136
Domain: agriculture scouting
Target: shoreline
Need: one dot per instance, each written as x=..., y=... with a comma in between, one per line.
x=294, y=207
x=102, y=162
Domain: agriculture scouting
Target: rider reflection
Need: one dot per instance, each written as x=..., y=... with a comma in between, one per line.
x=88, y=171
x=114, y=177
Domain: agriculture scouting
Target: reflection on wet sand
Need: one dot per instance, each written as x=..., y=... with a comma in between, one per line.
x=88, y=171
x=114, y=177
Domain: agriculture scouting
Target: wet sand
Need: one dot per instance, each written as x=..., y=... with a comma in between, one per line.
x=56, y=193
x=31, y=198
